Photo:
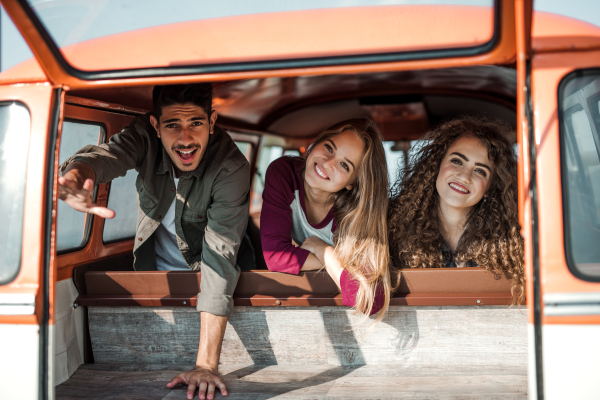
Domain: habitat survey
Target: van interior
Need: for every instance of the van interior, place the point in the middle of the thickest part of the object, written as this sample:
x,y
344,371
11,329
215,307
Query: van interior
x,y
121,333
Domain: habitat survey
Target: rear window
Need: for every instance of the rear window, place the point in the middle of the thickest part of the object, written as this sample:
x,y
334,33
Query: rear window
x,y
125,34
580,158
15,130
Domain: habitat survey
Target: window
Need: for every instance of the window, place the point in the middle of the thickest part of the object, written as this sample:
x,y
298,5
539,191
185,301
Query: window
x,y
580,157
267,155
245,148
14,145
268,26
396,154
122,199
72,227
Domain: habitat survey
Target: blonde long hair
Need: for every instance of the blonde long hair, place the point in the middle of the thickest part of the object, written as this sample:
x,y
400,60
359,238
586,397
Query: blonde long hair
x,y
361,238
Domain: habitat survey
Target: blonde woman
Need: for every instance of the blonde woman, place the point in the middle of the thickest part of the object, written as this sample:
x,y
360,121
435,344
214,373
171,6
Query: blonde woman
x,y
333,204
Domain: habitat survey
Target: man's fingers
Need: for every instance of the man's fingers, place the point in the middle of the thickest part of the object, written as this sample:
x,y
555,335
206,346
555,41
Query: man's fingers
x,y
222,388
201,390
88,185
176,381
191,389
210,394
80,199
102,212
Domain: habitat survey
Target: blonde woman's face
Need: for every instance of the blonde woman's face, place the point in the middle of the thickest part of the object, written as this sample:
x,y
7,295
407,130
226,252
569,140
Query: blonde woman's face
x,y
333,164
465,173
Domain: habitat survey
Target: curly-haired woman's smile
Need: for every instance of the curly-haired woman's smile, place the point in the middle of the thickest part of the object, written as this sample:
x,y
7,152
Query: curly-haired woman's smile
x,y
465,174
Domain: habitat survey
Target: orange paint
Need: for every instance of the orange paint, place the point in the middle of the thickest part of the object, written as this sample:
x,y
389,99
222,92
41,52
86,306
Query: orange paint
x,y
548,71
503,53
37,98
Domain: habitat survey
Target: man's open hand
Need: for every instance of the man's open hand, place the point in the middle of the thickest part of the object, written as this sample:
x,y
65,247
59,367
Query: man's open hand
x,y
75,188
204,379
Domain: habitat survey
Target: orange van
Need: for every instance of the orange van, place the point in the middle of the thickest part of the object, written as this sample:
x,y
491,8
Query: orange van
x,y
77,322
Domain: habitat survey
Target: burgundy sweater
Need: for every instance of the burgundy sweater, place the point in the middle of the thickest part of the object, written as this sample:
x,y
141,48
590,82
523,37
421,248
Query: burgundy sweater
x,y
283,218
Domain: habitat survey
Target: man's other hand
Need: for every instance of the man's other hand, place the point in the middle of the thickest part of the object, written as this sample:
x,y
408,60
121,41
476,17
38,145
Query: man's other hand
x,y
76,187
204,379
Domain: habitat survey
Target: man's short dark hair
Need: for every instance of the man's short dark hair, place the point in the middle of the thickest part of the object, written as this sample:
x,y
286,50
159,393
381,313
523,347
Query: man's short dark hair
x,y
199,94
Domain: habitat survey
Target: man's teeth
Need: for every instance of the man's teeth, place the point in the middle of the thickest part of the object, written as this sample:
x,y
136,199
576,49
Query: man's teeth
x,y
321,174
187,152
459,188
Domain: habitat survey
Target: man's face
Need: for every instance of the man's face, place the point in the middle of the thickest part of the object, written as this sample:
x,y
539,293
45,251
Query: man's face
x,y
184,130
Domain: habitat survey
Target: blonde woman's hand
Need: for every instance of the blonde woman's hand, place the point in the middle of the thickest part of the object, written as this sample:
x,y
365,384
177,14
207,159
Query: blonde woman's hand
x,y
326,255
316,246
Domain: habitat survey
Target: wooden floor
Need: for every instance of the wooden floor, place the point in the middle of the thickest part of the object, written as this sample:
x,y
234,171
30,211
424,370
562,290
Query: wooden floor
x,y
319,382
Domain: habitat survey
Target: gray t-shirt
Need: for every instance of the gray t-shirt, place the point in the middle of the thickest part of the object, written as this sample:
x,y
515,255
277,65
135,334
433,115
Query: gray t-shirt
x,y
168,255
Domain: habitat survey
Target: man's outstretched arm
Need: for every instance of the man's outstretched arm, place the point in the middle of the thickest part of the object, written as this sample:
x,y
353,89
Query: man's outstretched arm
x,y
205,376
76,186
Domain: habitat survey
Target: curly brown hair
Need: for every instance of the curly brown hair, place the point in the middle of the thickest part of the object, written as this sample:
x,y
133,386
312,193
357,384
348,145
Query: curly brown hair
x,y
492,238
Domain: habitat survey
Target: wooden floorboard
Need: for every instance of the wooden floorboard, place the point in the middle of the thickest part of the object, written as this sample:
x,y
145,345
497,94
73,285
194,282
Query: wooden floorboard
x,y
319,382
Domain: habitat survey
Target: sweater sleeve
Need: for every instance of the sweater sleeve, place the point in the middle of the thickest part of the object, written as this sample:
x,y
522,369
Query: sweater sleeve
x,y
350,289
276,220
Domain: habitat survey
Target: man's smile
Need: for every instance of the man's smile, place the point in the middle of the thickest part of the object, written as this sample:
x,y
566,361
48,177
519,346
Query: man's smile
x,y
186,156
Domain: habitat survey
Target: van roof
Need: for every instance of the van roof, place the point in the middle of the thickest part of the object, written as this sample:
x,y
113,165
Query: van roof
x,y
239,42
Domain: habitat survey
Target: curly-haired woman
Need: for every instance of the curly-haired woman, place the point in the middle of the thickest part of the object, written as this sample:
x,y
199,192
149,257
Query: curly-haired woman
x,y
334,205
456,205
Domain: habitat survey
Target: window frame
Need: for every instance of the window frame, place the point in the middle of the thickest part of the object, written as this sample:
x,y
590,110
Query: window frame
x,y
114,117
563,114
458,52
89,218
428,287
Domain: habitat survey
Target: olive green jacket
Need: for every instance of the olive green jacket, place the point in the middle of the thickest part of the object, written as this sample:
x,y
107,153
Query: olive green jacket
x,y
211,211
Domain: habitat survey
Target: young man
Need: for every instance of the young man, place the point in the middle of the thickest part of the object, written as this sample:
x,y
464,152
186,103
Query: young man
x,y
193,188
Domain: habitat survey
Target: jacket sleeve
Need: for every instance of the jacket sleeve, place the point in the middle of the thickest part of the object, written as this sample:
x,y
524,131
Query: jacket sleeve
x,y
276,221
124,151
227,220
350,289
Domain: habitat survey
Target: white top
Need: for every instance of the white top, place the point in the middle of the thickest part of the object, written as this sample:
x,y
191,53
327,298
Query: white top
x,y
302,229
168,255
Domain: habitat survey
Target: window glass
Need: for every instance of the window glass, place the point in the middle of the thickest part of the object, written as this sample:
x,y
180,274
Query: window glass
x,y
118,27
267,155
72,227
13,48
291,153
395,153
245,148
14,145
581,171
122,199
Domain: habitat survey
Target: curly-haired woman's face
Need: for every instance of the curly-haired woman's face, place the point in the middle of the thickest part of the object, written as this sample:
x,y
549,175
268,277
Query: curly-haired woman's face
x,y
465,174
332,164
